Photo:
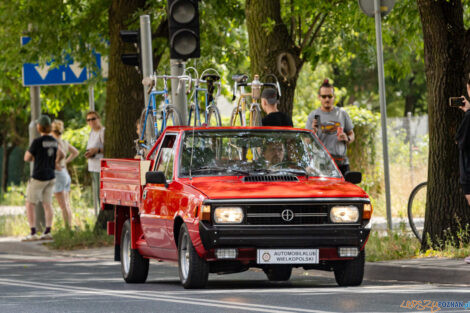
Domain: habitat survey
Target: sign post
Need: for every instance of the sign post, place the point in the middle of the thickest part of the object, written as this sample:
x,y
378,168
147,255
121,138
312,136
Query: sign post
x,y
377,8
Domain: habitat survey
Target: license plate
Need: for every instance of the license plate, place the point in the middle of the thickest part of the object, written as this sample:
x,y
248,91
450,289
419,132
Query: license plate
x,y
287,256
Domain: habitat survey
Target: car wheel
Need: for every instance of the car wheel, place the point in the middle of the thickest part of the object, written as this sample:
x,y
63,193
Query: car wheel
x,y
134,267
350,273
193,270
278,272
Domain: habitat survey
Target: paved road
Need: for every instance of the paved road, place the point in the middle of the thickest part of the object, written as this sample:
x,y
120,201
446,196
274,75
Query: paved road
x,y
94,284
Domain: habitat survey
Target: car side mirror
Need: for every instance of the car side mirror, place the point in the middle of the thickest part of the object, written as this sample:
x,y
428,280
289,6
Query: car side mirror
x,y
353,177
155,178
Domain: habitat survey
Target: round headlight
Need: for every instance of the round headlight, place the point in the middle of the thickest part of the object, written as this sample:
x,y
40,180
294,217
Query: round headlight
x,y
344,214
228,215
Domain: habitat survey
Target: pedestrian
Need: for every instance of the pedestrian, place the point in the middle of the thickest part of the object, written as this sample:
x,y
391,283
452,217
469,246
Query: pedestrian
x,y
462,137
62,176
269,104
332,125
46,156
94,153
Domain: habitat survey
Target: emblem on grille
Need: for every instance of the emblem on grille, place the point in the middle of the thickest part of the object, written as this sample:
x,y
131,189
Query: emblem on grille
x,y
287,215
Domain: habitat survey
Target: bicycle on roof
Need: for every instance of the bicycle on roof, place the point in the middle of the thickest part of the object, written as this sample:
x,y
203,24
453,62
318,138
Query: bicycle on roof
x,y
238,116
211,78
149,117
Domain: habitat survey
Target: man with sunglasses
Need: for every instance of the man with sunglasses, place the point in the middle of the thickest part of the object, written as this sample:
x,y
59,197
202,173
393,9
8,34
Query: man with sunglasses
x,y
332,125
94,152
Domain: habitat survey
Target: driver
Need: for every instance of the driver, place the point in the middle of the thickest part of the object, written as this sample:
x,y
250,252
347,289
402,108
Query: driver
x,y
274,152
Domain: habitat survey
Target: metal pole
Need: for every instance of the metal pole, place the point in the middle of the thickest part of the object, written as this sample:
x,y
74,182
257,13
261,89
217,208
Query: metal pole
x,y
146,53
91,98
383,109
35,94
178,100
410,143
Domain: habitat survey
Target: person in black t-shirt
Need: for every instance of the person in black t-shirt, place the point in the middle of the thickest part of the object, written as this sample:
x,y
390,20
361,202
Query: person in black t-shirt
x,y
269,103
45,154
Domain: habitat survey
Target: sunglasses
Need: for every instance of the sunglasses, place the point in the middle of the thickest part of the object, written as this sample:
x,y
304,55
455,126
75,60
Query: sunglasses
x,y
91,119
326,96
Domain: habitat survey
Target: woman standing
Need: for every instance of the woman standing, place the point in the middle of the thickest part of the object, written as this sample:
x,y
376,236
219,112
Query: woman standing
x,y
62,182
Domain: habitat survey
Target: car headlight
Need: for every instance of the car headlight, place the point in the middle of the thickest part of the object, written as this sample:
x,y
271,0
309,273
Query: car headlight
x,y
227,215
344,214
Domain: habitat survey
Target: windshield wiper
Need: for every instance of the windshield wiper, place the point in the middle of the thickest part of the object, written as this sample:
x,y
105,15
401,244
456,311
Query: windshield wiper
x,y
293,171
218,169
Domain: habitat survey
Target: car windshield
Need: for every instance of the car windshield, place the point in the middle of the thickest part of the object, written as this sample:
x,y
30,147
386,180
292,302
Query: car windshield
x,y
235,152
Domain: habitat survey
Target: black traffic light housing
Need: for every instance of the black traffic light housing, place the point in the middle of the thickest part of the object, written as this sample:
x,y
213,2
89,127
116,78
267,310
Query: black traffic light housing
x,y
183,23
131,36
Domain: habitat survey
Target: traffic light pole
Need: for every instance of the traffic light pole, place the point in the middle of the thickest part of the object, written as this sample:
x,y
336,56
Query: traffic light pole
x,y
146,51
179,100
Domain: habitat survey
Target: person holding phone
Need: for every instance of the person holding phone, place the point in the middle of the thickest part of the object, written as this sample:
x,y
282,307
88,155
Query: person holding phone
x,y
332,125
462,138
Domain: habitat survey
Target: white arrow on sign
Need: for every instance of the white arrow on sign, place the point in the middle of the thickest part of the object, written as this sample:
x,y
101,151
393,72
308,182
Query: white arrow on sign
x,y
42,70
76,69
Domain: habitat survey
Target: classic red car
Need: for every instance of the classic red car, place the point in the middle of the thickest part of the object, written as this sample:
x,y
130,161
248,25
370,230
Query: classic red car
x,y
222,200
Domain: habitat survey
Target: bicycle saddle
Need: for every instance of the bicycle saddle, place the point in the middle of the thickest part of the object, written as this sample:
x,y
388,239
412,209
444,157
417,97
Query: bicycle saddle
x,y
240,78
211,77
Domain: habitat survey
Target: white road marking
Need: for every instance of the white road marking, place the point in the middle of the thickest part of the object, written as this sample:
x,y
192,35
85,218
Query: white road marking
x,y
142,295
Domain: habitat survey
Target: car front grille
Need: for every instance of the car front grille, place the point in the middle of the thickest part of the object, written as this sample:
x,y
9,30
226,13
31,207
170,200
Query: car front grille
x,y
286,214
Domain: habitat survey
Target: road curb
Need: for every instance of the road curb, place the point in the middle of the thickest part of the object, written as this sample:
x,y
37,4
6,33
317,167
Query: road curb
x,y
418,273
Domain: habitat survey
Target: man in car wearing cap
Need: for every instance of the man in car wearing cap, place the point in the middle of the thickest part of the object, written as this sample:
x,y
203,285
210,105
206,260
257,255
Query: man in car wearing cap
x,y
45,154
269,104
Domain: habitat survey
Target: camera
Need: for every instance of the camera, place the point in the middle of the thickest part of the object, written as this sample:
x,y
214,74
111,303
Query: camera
x,y
456,102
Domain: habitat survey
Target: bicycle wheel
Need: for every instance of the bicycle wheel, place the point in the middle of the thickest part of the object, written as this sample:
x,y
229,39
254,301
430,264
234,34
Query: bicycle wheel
x,y
149,135
255,116
417,209
236,119
173,118
213,116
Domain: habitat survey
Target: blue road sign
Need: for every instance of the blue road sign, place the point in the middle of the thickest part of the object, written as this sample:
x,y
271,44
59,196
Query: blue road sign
x,y
70,73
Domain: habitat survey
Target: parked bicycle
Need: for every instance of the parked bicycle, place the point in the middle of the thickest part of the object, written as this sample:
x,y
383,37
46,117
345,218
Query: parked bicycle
x,y
417,209
211,78
239,112
167,113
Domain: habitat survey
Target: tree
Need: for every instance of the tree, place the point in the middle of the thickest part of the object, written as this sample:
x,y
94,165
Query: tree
x,y
447,64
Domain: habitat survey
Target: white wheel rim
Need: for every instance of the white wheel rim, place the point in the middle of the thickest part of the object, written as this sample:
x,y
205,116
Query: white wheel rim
x,y
126,252
184,256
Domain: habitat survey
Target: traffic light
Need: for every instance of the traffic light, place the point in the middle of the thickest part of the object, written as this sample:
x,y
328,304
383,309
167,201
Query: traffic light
x,y
131,36
183,23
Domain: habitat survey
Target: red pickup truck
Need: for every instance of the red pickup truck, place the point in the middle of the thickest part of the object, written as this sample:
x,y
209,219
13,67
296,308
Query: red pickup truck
x,y
222,200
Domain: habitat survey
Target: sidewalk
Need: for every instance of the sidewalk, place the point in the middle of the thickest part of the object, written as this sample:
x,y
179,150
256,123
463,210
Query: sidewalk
x,y
424,270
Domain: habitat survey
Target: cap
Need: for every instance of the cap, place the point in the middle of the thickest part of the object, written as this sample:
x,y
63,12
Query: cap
x,y
270,95
44,121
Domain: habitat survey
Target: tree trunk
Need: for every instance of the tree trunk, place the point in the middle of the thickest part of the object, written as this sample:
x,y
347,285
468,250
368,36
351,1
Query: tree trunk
x,y
266,46
124,93
443,31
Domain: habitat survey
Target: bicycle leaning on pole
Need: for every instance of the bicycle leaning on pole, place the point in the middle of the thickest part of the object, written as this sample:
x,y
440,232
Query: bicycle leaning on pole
x,y
239,112
149,117
417,208
211,78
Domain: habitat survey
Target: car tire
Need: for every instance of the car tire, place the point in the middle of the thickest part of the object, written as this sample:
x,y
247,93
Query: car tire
x,y
134,267
350,273
193,270
278,272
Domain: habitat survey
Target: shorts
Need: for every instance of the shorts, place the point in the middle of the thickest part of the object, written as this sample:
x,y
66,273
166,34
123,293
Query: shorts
x,y
39,191
62,181
466,189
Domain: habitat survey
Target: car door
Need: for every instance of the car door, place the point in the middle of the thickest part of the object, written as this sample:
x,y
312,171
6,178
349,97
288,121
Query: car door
x,y
156,199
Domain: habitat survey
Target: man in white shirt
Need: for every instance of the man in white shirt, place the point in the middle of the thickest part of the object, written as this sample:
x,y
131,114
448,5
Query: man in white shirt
x,y
94,153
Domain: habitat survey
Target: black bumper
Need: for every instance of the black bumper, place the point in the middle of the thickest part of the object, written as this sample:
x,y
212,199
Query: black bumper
x,y
281,236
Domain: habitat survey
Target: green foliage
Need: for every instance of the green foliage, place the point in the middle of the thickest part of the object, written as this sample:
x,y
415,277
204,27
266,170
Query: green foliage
x,y
68,239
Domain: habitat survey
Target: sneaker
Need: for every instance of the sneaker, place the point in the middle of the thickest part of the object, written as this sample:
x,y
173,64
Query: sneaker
x,y
31,238
467,260
47,236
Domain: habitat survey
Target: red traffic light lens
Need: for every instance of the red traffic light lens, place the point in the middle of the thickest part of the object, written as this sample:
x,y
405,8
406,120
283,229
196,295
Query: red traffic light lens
x,y
183,12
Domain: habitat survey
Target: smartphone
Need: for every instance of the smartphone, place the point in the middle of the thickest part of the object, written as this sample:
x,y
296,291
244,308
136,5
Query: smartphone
x,y
317,117
456,102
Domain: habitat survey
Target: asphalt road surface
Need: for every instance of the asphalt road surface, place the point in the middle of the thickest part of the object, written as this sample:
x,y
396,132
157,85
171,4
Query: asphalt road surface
x,y
66,284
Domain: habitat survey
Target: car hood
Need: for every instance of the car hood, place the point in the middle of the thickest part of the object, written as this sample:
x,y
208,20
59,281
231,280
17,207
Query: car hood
x,y
312,188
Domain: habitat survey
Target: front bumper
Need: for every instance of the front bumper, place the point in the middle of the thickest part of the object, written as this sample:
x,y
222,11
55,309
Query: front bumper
x,y
318,236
